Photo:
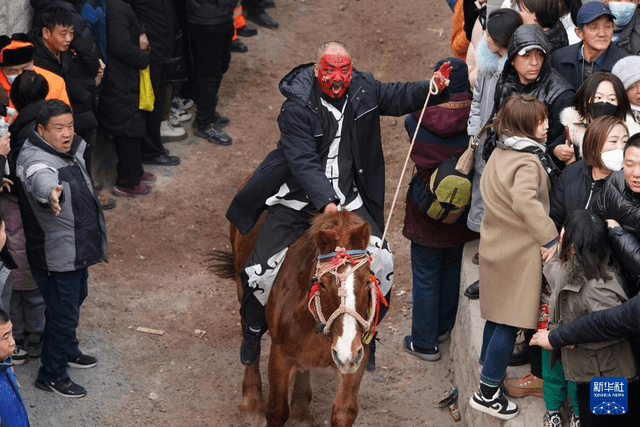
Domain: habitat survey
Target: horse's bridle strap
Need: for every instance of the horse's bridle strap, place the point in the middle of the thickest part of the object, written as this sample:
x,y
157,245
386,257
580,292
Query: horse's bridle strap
x,y
339,258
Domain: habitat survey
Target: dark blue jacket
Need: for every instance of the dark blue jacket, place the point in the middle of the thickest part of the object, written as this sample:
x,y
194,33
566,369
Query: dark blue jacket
x,y
12,410
565,60
303,127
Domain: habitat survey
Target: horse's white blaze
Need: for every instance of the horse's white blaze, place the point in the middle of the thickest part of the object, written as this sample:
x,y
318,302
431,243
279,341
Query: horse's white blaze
x,y
345,341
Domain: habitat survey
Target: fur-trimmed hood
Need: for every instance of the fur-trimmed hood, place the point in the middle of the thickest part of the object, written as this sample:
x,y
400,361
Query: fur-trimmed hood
x,y
577,126
488,63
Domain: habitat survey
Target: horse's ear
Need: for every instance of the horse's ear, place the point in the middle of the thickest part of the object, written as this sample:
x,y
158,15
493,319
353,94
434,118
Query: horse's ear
x,y
360,236
325,240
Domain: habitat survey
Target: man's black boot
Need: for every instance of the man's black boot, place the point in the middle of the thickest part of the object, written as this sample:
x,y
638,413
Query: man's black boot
x,y
250,349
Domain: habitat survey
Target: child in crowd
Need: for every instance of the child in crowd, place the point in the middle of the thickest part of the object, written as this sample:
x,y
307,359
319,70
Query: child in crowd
x,y
583,283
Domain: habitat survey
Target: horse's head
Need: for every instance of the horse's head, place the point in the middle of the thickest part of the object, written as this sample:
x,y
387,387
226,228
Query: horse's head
x,y
341,295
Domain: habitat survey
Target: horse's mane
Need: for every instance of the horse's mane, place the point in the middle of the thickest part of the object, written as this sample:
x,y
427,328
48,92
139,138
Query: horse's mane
x,y
336,221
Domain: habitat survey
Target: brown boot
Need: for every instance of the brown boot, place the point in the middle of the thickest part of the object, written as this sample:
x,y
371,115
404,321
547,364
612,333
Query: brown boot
x,y
526,385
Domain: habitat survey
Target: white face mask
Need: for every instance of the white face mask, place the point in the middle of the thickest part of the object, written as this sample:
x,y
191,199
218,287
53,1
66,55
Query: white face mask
x,y
11,78
613,159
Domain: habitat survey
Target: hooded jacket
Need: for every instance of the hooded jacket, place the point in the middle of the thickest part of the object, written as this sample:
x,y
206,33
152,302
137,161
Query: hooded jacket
x,y
574,296
306,132
618,202
75,239
550,87
12,410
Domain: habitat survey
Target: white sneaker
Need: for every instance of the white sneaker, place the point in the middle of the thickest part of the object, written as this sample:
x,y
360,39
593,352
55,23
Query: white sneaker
x,y
170,133
180,114
498,406
183,103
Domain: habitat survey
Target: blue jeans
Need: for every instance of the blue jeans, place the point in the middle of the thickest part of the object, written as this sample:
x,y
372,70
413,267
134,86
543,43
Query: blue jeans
x,y
497,345
63,294
436,287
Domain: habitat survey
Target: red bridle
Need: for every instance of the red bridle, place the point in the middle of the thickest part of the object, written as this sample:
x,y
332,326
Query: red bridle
x,y
340,257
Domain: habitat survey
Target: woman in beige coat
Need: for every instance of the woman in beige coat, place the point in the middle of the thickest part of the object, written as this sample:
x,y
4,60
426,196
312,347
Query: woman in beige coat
x,y
516,231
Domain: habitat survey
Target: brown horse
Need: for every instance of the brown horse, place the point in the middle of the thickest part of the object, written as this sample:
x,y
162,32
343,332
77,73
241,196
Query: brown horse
x,y
331,255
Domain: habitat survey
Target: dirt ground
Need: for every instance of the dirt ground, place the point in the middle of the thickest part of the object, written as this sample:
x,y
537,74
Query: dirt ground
x,y
159,245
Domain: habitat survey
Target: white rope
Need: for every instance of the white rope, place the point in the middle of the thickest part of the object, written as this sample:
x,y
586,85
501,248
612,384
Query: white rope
x,y
433,89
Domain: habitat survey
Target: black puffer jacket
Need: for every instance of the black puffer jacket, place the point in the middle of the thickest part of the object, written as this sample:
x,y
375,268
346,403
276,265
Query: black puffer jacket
x,y
209,12
120,98
617,201
574,189
550,87
306,131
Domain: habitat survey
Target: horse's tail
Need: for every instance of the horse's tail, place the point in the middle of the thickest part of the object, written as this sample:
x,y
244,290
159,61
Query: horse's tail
x,y
222,264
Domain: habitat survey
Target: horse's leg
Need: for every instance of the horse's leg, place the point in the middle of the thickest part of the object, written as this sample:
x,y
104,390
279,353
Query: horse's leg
x,y
301,397
252,406
280,371
345,405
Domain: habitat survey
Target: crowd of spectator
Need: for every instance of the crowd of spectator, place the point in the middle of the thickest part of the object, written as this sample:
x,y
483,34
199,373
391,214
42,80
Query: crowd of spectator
x,y
82,73
556,182
549,90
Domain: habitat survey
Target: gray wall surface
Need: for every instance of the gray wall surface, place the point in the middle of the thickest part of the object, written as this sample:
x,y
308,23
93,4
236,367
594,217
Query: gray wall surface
x,y
15,16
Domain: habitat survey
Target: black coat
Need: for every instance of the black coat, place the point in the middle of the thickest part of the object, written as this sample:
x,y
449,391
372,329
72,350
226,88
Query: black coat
x,y
303,132
158,20
120,98
565,60
617,201
615,323
574,189
209,12
78,66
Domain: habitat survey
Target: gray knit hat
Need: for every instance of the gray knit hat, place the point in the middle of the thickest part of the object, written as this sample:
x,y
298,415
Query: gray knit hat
x,y
627,69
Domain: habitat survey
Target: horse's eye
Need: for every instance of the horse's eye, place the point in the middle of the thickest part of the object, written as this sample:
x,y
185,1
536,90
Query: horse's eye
x,y
322,285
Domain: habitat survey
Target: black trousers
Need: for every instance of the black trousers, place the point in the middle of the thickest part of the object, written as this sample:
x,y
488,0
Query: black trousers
x,y
535,354
129,169
152,143
253,7
212,54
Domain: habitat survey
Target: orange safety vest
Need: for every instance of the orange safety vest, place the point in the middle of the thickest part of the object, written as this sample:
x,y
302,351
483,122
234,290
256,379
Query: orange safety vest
x,y
238,20
57,86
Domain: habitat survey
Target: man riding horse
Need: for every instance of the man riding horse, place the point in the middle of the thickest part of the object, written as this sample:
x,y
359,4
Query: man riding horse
x,y
329,158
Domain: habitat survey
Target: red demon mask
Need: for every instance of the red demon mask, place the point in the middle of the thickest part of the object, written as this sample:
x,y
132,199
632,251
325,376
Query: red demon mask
x,y
334,74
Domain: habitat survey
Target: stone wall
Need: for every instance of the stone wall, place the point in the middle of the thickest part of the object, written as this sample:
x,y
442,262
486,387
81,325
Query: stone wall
x,y
466,341
15,16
